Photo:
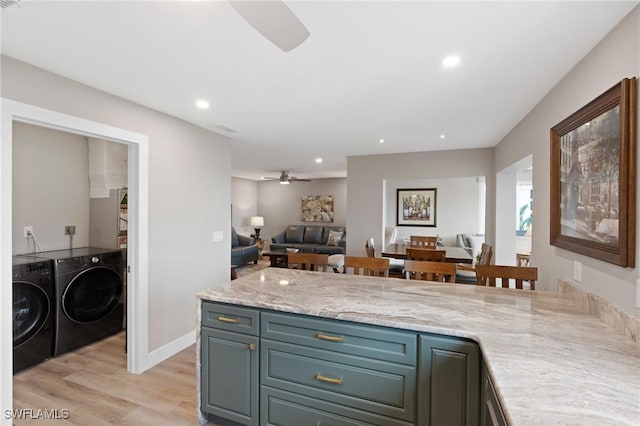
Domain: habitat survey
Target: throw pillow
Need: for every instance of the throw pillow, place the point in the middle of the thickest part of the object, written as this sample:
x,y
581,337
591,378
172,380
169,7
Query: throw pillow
x,y
294,234
334,237
313,234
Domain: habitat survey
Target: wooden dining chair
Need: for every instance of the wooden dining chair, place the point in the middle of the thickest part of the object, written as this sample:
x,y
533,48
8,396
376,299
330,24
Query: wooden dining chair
x,y
467,274
308,261
396,266
429,255
430,271
372,266
422,241
488,275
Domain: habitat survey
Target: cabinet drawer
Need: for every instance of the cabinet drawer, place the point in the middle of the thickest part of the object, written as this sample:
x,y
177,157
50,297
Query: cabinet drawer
x,y
338,336
371,385
230,318
286,409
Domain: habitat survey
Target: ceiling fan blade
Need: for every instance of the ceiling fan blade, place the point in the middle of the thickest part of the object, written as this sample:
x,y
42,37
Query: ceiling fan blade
x,y
298,179
274,20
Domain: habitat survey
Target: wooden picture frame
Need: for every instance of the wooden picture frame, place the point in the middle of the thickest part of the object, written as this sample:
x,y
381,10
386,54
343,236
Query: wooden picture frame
x,y
593,177
416,207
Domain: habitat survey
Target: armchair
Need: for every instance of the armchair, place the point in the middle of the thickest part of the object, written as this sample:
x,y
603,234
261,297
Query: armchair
x,y
243,249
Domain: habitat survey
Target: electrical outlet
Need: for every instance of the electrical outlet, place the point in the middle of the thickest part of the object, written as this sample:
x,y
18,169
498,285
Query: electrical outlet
x,y
70,230
28,231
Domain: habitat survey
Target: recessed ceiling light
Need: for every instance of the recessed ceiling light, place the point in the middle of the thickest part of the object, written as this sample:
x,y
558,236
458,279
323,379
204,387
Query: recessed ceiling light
x,y
202,104
318,160
442,136
381,140
451,61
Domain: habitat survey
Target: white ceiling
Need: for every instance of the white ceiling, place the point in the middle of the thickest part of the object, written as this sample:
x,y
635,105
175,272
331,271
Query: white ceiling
x,y
369,70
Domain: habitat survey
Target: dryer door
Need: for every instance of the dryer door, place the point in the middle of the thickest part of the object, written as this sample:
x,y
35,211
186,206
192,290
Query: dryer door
x,y
31,308
92,294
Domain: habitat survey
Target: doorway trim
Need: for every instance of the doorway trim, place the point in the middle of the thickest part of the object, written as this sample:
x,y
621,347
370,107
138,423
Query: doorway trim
x,y
137,241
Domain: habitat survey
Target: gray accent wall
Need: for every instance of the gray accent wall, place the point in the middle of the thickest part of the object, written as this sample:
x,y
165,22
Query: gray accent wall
x,y
368,199
280,204
189,191
50,187
451,219
617,56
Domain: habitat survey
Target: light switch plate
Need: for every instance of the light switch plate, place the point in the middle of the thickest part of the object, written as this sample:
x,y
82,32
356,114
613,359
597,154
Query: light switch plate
x,y
218,236
577,271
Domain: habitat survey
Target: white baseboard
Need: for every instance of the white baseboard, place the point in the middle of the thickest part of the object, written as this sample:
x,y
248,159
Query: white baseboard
x,y
167,351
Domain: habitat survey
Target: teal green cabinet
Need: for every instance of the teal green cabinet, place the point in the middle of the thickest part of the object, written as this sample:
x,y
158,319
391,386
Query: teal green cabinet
x,y
229,373
449,382
347,370
273,368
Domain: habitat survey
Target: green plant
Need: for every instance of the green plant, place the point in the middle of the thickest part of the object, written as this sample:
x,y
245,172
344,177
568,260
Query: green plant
x,y
525,218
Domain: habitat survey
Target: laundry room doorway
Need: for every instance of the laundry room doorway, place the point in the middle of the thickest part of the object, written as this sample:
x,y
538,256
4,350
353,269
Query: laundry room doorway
x,y
137,228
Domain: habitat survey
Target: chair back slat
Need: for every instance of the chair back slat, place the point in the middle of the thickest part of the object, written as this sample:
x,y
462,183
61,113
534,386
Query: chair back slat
x,y
429,255
372,266
430,271
422,241
308,261
486,253
489,275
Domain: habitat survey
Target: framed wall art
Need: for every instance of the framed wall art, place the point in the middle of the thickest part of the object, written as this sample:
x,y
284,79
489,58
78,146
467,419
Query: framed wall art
x,y
317,208
593,173
416,207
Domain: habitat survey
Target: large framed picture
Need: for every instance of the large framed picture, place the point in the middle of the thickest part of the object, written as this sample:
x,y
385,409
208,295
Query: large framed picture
x,y
317,208
593,172
416,207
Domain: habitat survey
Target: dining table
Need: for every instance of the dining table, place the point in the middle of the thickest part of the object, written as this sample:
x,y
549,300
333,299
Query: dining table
x,y
453,254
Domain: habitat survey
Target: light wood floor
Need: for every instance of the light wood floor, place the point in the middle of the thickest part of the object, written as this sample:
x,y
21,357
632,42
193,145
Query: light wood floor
x,y
93,384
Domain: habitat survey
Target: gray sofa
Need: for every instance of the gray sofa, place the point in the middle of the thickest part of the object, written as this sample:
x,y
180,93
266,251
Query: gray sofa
x,y
310,239
243,249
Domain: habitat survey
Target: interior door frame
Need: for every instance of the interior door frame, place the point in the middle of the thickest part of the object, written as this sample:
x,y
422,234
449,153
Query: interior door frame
x,y
137,241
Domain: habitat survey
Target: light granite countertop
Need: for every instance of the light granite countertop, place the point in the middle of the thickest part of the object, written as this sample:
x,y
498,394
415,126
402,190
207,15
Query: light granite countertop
x,y
552,362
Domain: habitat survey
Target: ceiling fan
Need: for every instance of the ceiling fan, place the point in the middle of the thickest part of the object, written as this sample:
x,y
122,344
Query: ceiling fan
x,y
285,179
274,20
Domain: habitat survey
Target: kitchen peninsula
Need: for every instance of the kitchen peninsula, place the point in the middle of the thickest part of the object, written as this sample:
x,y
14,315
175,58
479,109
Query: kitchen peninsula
x,y
551,361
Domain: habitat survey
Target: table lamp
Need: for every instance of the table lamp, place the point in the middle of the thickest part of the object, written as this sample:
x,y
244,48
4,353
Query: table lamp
x,y
257,222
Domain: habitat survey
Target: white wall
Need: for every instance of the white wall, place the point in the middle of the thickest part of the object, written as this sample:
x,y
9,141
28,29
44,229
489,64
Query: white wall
x,y
244,198
280,204
366,180
50,187
616,56
450,218
189,191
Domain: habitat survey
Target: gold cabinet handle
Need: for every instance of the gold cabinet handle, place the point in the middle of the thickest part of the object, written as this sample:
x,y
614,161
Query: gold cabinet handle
x,y
227,319
319,377
252,346
321,336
